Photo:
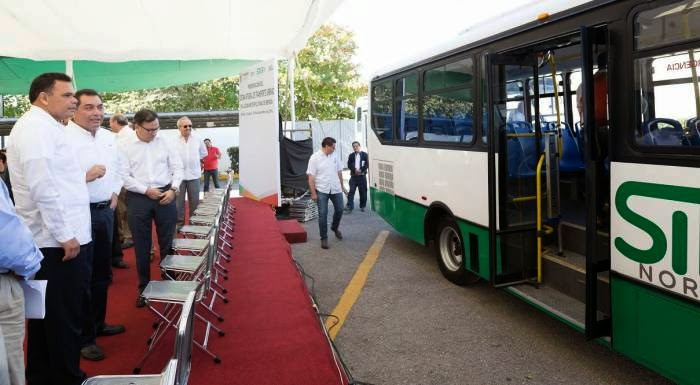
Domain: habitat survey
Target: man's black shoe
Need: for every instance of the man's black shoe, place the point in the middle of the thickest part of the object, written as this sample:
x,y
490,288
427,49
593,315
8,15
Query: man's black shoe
x,y
110,330
324,243
120,264
140,302
362,209
92,353
338,234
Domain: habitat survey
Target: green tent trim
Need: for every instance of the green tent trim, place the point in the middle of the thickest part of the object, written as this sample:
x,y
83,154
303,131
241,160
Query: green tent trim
x,y
17,74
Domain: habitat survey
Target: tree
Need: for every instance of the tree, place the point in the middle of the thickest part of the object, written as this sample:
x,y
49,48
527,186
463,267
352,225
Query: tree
x,y
326,64
219,94
233,156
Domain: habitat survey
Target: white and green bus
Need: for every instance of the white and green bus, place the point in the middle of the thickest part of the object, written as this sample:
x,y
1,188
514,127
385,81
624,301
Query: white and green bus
x,y
555,152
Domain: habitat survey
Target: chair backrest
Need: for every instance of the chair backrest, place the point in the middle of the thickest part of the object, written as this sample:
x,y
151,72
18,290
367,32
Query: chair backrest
x,y
183,340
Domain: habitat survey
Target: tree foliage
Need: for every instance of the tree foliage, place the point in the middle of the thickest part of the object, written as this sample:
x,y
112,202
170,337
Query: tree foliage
x,y
326,65
219,94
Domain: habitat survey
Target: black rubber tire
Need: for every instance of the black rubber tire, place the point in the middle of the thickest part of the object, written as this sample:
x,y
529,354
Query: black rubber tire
x,y
448,240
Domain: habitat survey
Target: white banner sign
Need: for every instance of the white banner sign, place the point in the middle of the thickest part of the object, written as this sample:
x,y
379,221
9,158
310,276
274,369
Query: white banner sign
x,y
655,225
259,152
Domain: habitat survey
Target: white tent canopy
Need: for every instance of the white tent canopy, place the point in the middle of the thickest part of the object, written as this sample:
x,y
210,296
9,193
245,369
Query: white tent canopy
x,y
125,30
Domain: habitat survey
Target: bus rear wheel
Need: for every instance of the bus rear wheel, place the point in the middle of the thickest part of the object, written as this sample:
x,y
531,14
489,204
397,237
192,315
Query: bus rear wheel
x,y
449,251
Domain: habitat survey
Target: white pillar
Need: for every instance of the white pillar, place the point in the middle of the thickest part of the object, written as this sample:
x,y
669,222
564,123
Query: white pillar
x,y
291,66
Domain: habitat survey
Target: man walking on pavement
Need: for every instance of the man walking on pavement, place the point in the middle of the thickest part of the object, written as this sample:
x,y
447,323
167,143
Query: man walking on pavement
x,y
325,174
358,162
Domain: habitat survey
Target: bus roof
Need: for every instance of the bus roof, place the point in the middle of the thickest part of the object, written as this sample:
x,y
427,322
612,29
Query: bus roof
x,y
507,22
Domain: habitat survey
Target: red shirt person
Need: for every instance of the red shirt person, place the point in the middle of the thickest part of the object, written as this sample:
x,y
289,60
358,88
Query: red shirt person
x,y
210,164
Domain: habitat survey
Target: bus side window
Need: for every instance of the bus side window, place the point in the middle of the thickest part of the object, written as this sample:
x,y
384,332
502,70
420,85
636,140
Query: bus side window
x,y
382,111
666,101
448,103
406,100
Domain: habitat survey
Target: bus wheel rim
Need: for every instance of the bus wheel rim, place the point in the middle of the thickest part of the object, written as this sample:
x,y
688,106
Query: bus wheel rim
x,y
450,249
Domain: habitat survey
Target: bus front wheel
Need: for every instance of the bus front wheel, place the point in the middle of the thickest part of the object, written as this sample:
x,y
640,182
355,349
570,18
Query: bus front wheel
x,y
449,250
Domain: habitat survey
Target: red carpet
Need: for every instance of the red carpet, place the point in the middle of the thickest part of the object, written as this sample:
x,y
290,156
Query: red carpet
x,y
293,232
272,333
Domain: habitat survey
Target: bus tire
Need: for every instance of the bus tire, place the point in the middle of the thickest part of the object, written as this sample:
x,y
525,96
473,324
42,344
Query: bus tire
x,y
449,251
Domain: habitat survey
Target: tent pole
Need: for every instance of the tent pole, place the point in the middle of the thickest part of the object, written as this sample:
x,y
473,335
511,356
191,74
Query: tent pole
x,y
69,71
291,65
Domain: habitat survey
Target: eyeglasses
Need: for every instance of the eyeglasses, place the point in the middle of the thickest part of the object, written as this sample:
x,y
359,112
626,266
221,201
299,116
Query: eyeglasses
x,y
186,126
149,130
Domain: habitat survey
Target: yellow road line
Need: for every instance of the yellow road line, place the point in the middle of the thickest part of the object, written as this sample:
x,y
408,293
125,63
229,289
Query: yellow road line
x,y
354,288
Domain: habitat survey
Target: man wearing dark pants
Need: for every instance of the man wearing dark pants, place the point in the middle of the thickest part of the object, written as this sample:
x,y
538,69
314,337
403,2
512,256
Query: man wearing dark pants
x,y
152,171
52,198
96,151
358,162
210,163
192,150
326,182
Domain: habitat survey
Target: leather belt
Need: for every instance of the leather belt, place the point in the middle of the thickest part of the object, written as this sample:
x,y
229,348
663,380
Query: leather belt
x,y
100,205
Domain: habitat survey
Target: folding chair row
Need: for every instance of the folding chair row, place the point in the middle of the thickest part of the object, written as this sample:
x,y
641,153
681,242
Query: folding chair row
x,y
165,298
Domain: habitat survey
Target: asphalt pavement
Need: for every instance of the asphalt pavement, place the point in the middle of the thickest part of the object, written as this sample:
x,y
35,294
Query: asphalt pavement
x,y
411,326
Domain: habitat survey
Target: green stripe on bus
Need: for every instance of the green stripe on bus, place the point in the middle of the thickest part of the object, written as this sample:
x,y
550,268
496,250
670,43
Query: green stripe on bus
x,y
408,218
656,329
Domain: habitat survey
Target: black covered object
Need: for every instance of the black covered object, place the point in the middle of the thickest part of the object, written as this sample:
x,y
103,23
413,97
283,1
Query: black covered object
x,y
294,159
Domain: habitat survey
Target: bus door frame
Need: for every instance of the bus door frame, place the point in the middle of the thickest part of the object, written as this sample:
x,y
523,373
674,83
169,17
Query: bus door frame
x,y
498,178
595,178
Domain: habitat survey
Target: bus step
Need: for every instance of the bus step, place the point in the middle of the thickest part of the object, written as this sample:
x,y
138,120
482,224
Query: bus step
x,y
554,303
567,274
574,239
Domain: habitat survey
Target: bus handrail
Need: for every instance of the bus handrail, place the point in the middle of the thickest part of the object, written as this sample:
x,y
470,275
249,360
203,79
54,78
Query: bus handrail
x,y
539,217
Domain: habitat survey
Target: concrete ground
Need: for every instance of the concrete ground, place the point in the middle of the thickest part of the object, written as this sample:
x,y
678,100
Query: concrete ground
x,y
411,326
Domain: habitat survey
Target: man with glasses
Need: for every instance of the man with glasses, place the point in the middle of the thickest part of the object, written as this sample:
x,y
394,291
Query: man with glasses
x,y
96,151
192,150
152,172
326,182
52,198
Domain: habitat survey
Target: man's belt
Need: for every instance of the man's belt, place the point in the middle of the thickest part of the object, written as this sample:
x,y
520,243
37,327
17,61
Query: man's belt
x,y
165,188
100,205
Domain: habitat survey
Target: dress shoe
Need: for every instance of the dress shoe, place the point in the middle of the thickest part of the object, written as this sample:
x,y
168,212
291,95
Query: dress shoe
x,y
110,330
362,209
338,234
324,243
140,302
128,243
348,210
120,264
92,353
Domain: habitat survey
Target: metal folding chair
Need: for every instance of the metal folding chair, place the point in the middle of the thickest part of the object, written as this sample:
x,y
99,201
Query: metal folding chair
x,y
177,370
164,299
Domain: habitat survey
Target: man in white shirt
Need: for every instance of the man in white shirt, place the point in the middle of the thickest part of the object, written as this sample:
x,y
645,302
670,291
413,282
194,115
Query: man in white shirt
x,y
119,124
96,150
326,182
152,171
192,150
52,198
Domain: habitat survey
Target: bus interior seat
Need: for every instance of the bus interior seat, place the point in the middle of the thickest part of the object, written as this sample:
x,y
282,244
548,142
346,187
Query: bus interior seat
x,y
572,157
693,126
663,132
